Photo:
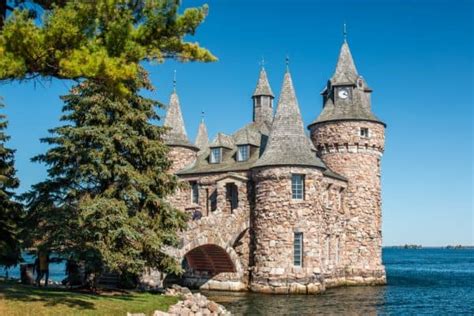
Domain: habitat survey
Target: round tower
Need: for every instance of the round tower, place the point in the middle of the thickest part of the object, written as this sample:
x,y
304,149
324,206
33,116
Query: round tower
x,y
349,138
287,217
182,152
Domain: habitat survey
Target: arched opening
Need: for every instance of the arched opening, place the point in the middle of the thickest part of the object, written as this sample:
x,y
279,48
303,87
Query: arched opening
x,y
208,258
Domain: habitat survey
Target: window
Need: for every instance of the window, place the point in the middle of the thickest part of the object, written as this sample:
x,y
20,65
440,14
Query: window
x,y
194,192
364,132
297,187
243,152
232,194
298,250
258,101
216,155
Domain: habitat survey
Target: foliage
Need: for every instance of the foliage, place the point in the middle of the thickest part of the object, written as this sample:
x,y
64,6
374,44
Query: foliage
x,y
104,40
18,299
104,199
10,210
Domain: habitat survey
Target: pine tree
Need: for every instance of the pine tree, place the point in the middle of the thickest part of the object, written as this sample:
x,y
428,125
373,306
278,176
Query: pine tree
x,y
10,210
104,198
101,39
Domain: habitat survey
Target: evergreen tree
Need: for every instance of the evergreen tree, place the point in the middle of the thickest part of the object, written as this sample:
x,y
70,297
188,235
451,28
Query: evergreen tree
x,y
104,198
103,40
10,210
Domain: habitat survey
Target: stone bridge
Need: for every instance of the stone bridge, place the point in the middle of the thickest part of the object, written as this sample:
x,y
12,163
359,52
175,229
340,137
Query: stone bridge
x,y
213,252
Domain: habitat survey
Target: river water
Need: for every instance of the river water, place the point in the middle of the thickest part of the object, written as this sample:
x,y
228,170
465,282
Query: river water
x,y
432,281
420,281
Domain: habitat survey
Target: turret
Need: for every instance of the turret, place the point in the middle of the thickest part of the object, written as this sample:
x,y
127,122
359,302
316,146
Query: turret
x,y
182,152
202,138
349,138
286,219
263,100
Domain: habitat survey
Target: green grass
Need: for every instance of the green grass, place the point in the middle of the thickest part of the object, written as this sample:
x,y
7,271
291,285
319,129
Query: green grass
x,y
16,299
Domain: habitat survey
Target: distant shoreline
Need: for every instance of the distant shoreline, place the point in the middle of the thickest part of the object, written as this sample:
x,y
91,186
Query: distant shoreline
x,y
414,246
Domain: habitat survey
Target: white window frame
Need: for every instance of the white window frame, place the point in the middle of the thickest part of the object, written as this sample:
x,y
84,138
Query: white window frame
x,y
297,188
240,157
213,158
298,249
364,129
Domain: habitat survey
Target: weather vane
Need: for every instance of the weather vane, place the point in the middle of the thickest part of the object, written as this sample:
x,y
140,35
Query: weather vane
x,y
345,31
174,80
287,61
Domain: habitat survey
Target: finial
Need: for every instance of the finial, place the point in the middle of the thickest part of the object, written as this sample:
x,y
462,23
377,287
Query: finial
x,y
174,81
262,62
287,61
345,32
202,116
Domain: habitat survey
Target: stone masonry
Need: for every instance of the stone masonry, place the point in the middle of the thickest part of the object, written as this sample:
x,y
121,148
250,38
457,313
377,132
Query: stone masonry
x,y
274,210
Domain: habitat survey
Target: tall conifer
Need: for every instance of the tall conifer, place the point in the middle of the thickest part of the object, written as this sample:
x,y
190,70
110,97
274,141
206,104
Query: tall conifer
x,y
10,210
104,198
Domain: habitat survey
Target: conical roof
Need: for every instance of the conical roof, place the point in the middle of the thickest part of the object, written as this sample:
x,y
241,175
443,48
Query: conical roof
x,y
176,134
359,106
263,86
288,143
346,72
202,139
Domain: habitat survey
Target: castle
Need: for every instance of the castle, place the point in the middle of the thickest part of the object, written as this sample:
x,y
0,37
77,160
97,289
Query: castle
x,y
274,210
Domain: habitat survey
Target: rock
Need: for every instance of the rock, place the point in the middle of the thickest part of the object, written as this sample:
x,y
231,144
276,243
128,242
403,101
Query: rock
x,y
192,304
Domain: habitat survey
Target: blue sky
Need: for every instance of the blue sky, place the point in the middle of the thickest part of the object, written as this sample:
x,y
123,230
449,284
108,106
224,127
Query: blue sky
x,y
416,55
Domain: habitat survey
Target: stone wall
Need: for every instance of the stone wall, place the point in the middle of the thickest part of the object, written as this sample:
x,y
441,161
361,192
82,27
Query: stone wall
x,y
276,219
358,159
180,157
221,226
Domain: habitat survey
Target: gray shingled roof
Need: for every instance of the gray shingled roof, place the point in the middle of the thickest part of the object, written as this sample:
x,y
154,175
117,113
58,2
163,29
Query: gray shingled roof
x,y
256,133
356,111
176,135
346,72
223,140
287,143
359,108
263,86
202,139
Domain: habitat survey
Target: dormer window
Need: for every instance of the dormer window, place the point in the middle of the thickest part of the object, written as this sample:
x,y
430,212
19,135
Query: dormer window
x,y
364,132
216,155
242,152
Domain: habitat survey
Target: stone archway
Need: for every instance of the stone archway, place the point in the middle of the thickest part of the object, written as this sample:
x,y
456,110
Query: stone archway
x,y
210,258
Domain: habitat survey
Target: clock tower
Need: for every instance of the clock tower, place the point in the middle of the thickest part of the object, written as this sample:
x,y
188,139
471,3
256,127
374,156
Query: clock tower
x,y
349,138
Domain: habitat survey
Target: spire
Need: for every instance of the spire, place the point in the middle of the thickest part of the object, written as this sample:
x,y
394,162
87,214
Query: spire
x,y
263,86
288,143
346,72
176,134
202,139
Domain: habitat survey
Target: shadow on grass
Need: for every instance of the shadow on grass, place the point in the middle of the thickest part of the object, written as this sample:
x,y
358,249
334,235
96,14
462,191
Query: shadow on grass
x,y
54,296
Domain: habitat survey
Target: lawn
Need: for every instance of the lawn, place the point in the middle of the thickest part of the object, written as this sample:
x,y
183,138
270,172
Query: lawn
x,y
16,299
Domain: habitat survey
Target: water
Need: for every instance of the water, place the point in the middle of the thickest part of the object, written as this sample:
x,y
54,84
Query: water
x,y
420,281
57,270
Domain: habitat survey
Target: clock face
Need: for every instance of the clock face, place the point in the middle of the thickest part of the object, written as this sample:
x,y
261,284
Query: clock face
x,y
343,93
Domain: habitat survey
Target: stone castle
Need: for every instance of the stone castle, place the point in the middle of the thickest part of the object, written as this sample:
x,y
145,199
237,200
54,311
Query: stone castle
x,y
274,210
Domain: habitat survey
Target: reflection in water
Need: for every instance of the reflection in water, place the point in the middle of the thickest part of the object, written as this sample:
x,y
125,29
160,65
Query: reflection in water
x,y
362,300
420,281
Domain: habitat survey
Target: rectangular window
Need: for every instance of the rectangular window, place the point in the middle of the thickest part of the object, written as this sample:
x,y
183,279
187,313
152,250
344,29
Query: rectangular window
x,y
298,250
364,132
194,192
297,187
243,152
216,155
